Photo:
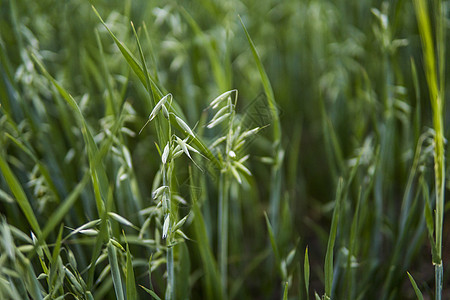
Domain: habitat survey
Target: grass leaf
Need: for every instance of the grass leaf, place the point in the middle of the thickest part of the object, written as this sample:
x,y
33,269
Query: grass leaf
x,y
331,241
151,293
416,288
273,243
211,279
267,89
306,270
115,271
130,280
20,196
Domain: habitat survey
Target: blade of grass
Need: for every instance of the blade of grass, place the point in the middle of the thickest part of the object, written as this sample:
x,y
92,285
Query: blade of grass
x,y
161,133
267,89
415,287
111,108
436,91
33,285
278,153
351,248
331,241
130,281
274,246
144,65
217,66
102,238
417,118
306,270
285,294
56,250
182,271
143,77
212,282
150,292
20,196
223,224
132,62
115,271
152,56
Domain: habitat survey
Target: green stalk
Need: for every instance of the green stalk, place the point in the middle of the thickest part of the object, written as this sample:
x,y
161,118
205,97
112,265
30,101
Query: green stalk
x,y
435,80
170,275
278,152
329,270
166,176
224,205
170,289
224,184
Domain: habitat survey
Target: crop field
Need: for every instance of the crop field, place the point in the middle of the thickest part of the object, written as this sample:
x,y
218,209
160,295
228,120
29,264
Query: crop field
x,y
224,149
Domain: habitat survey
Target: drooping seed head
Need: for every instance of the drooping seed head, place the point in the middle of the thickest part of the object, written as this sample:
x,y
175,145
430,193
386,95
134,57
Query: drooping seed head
x,y
184,126
165,154
166,226
220,98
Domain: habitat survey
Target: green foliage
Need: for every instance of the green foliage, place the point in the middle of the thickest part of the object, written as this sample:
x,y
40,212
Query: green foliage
x,y
143,143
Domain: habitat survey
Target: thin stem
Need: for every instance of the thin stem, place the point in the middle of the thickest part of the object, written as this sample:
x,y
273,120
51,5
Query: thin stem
x,y
438,273
170,289
435,79
223,227
223,213
166,177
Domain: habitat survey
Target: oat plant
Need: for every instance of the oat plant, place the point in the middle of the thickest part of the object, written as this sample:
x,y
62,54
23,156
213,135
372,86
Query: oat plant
x,y
433,46
229,148
121,179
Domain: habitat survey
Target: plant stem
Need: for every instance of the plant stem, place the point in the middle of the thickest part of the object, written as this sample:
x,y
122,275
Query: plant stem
x,y
170,275
166,177
223,227
435,80
438,274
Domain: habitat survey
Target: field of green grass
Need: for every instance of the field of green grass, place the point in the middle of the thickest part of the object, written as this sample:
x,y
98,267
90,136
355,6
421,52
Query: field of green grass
x,y
224,149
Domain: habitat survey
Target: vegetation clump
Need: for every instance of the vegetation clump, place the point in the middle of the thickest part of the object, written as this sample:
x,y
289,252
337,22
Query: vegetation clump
x,y
178,151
